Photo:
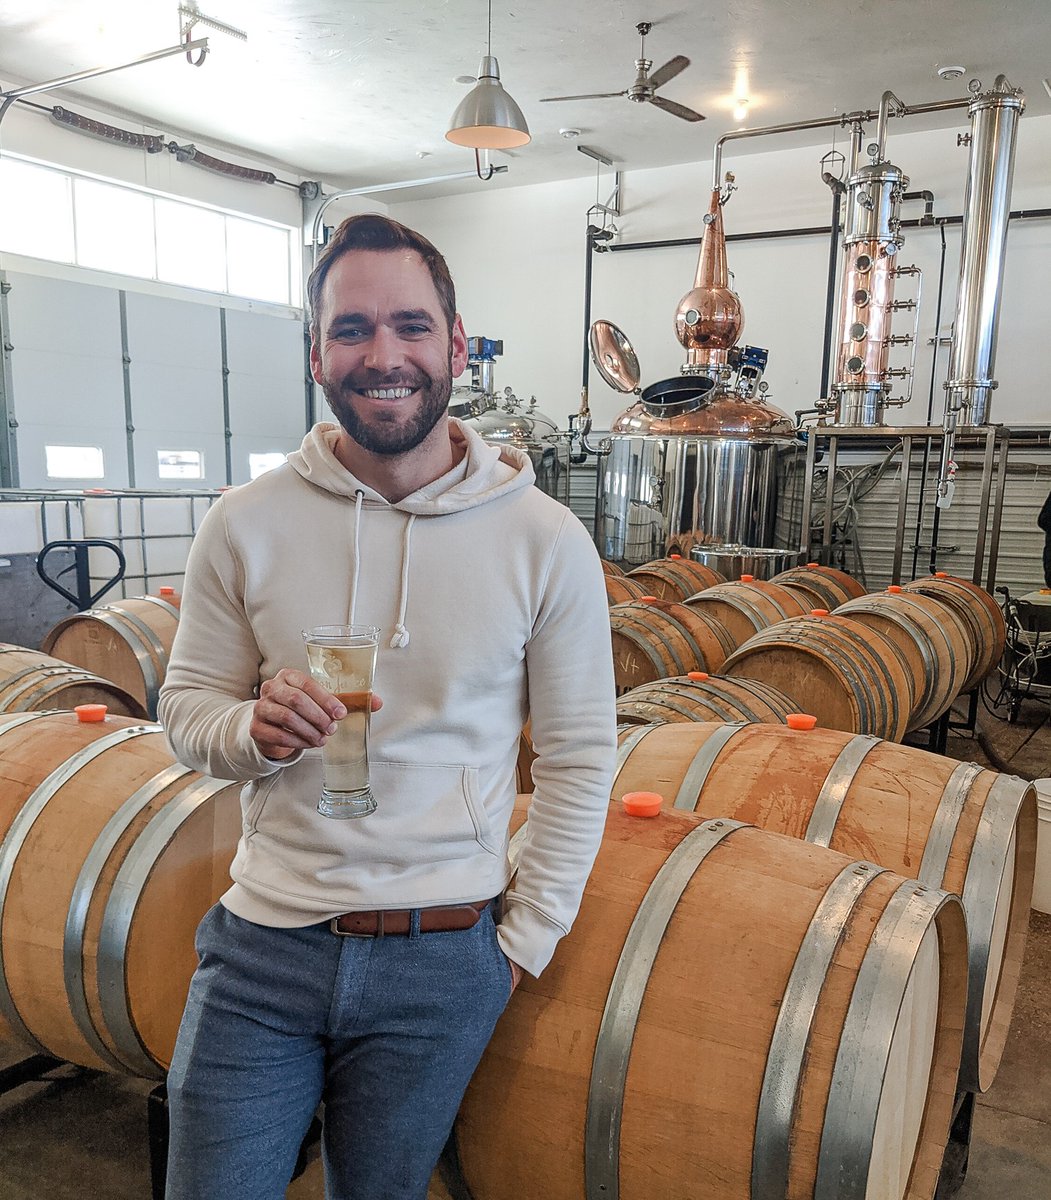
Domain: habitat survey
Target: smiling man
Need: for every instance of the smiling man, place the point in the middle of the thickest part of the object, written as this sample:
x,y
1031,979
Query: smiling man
x,y
365,962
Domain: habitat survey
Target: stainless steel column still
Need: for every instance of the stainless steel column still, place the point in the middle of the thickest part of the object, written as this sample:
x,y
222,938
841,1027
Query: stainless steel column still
x,y
987,204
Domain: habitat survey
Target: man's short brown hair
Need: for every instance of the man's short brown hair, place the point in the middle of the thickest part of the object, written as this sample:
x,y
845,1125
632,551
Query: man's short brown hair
x,y
371,231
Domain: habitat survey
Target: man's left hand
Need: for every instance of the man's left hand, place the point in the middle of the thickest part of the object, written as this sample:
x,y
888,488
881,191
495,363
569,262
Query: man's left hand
x,y
516,974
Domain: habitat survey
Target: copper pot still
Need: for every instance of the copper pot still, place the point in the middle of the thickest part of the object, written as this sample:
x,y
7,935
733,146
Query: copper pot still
x,y
710,318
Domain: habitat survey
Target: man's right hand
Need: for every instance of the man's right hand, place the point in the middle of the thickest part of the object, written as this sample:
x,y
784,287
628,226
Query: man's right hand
x,y
295,713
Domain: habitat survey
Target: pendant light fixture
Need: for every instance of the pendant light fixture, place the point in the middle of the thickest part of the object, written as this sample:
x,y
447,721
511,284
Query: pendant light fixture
x,y
487,118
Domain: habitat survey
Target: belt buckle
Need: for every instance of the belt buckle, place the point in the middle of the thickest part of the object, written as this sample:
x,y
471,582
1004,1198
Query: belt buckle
x,y
349,933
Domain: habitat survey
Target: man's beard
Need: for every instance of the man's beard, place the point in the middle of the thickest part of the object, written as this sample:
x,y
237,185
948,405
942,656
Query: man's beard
x,y
396,434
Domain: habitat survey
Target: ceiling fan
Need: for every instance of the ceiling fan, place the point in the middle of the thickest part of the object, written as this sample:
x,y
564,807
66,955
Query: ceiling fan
x,y
643,90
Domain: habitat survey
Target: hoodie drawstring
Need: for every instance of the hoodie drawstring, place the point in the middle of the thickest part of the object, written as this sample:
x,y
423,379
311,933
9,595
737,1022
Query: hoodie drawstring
x,y
401,635
359,496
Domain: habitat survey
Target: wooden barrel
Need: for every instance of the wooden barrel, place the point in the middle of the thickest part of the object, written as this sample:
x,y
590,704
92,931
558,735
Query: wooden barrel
x,y
825,587
653,640
703,697
609,568
111,854
980,614
931,639
744,607
620,589
951,825
31,681
725,1020
128,641
849,677
524,762
675,578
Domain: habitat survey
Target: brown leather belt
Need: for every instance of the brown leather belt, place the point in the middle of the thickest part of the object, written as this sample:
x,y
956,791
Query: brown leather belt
x,y
383,922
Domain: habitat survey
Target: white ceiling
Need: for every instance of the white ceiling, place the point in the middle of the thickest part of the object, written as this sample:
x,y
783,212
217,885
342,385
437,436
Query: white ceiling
x,y
357,92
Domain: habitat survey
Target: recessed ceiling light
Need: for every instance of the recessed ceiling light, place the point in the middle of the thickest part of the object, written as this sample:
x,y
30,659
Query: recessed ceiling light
x,y
570,133
741,109
465,79
950,73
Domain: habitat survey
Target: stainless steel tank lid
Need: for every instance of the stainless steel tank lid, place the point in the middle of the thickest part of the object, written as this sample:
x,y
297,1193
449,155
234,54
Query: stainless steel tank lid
x,y
614,356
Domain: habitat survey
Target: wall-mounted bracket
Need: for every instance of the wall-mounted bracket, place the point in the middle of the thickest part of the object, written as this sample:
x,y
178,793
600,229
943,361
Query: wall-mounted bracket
x,y
612,205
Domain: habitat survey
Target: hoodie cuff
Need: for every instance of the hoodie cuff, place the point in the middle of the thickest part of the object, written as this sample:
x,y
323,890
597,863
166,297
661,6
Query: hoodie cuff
x,y
526,936
243,749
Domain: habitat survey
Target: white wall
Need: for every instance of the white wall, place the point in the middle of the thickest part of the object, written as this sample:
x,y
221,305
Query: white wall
x,y
517,256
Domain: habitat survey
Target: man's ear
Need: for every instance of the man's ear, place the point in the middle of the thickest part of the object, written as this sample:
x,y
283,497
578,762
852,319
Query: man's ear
x,y
458,349
315,361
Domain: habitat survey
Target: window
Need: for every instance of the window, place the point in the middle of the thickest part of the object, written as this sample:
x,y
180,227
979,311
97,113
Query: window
x,y
114,229
67,216
191,246
257,260
259,464
180,464
74,462
36,211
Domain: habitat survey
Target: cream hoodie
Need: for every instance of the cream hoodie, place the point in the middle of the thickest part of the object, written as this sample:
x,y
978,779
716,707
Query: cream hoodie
x,y
491,605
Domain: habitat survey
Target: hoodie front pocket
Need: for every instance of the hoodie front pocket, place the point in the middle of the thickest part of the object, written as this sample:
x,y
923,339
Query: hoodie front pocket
x,y
254,808
431,804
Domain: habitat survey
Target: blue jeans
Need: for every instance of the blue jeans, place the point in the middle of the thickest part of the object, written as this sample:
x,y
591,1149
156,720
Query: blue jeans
x,y
386,1031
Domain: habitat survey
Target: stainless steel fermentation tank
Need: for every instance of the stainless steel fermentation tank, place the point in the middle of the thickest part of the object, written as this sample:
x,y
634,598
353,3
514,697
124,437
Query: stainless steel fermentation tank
x,y
695,464
505,420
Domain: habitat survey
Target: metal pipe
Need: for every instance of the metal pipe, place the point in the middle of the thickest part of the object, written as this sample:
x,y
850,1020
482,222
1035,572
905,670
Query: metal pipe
x,y
857,136
886,101
792,127
372,189
907,110
589,250
1018,214
51,84
930,408
838,190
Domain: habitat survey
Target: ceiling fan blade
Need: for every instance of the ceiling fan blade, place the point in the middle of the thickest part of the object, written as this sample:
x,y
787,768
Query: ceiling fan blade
x,y
676,110
588,96
670,69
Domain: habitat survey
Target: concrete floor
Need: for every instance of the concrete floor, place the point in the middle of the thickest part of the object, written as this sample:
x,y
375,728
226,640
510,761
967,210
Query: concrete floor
x,y
84,1134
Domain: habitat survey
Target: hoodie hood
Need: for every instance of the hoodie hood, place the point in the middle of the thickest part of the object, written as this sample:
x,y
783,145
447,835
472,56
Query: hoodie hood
x,y
482,472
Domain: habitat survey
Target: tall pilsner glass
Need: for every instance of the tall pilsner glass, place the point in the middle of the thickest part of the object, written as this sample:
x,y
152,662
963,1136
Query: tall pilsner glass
x,y
342,658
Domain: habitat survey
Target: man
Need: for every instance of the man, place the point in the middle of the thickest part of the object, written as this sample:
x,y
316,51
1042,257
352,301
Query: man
x,y
492,608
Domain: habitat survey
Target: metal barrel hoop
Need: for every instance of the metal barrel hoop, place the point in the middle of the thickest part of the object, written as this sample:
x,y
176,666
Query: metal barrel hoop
x,y
689,794
985,873
833,793
865,1045
120,911
627,990
788,1047
83,891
